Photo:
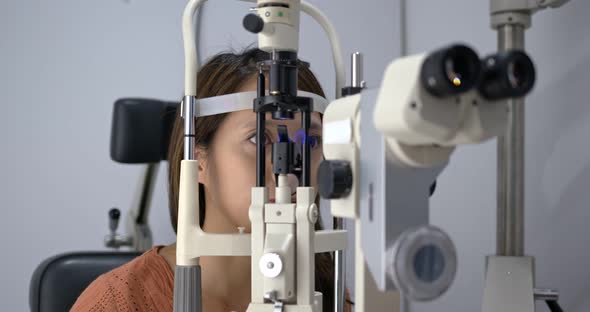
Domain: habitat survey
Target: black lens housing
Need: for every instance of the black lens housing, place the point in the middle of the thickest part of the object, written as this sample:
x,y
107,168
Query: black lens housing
x,y
506,75
283,73
281,114
442,67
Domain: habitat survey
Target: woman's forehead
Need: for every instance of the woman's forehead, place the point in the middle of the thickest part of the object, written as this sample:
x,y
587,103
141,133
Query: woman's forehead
x,y
249,85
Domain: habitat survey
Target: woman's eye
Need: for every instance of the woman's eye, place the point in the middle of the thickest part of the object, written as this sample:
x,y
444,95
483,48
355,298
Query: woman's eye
x,y
253,139
315,141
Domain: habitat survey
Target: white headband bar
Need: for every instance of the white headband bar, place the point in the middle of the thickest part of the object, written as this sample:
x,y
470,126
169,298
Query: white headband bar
x,y
245,101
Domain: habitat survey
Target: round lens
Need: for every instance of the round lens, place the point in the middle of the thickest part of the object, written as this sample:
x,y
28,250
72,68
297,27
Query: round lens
x,y
507,74
516,74
429,263
453,72
457,69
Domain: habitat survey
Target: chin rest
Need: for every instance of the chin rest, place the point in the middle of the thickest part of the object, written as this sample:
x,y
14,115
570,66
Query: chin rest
x,y
58,281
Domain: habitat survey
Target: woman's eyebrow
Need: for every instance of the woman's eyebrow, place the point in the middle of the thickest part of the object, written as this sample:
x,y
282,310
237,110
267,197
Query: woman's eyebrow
x,y
315,125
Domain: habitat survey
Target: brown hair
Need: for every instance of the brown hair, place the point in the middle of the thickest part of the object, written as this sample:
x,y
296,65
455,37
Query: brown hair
x,y
224,74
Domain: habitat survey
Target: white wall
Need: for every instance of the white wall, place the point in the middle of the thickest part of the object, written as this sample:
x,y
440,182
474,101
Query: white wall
x,y
62,65
557,154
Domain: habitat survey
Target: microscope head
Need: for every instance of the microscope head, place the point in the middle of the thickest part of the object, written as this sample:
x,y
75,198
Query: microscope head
x,y
509,74
448,97
276,23
417,103
505,75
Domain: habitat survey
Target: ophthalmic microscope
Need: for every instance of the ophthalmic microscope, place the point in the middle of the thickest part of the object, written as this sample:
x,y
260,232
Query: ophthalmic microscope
x,y
283,242
426,105
509,275
384,149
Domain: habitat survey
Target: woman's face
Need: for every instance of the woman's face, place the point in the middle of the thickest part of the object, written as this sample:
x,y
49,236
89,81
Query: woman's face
x,y
228,169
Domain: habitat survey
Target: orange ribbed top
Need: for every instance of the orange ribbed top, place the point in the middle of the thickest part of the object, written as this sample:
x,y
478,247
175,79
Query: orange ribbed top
x,y
144,284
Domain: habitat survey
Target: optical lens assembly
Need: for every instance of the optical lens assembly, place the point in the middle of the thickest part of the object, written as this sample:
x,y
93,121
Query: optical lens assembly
x,y
422,263
450,71
506,75
429,263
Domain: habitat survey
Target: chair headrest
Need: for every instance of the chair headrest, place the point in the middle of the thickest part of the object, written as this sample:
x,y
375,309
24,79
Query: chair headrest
x,y
141,130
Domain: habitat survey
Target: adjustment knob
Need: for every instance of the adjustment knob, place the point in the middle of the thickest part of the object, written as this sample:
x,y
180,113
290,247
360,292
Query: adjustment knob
x,y
335,179
114,215
253,23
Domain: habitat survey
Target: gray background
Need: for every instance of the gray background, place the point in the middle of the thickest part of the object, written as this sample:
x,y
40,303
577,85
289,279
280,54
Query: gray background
x,y
64,62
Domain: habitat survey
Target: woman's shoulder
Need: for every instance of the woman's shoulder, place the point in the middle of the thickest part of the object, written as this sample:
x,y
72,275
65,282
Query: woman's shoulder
x,y
143,284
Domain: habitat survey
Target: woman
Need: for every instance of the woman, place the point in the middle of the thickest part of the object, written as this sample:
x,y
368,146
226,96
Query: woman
x,y
226,149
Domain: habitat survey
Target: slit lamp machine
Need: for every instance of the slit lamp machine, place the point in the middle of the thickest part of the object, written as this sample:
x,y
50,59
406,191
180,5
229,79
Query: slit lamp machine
x,y
383,148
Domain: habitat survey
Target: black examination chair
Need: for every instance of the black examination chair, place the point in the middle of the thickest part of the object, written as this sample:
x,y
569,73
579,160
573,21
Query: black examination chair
x,y
140,135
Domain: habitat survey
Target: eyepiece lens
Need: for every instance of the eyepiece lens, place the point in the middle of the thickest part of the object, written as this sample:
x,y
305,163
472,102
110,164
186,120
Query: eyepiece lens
x,y
517,74
457,68
507,74
450,71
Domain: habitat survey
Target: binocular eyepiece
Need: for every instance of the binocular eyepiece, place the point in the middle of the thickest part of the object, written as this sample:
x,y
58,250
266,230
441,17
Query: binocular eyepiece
x,y
449,71
507,74
457,69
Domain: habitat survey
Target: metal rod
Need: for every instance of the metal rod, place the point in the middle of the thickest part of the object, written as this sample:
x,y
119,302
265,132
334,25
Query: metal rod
x,y
189,104
404,303
357,69
260,149
306,120
260,136
338,223
403,22
510,217
546,294
339,277
146,190
553,306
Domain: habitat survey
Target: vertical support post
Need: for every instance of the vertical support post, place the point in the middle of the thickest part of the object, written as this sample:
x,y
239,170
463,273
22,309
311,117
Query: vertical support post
x,y
339,277
305,124
356,81
260,136
305,254
510,275
187,111
510,197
